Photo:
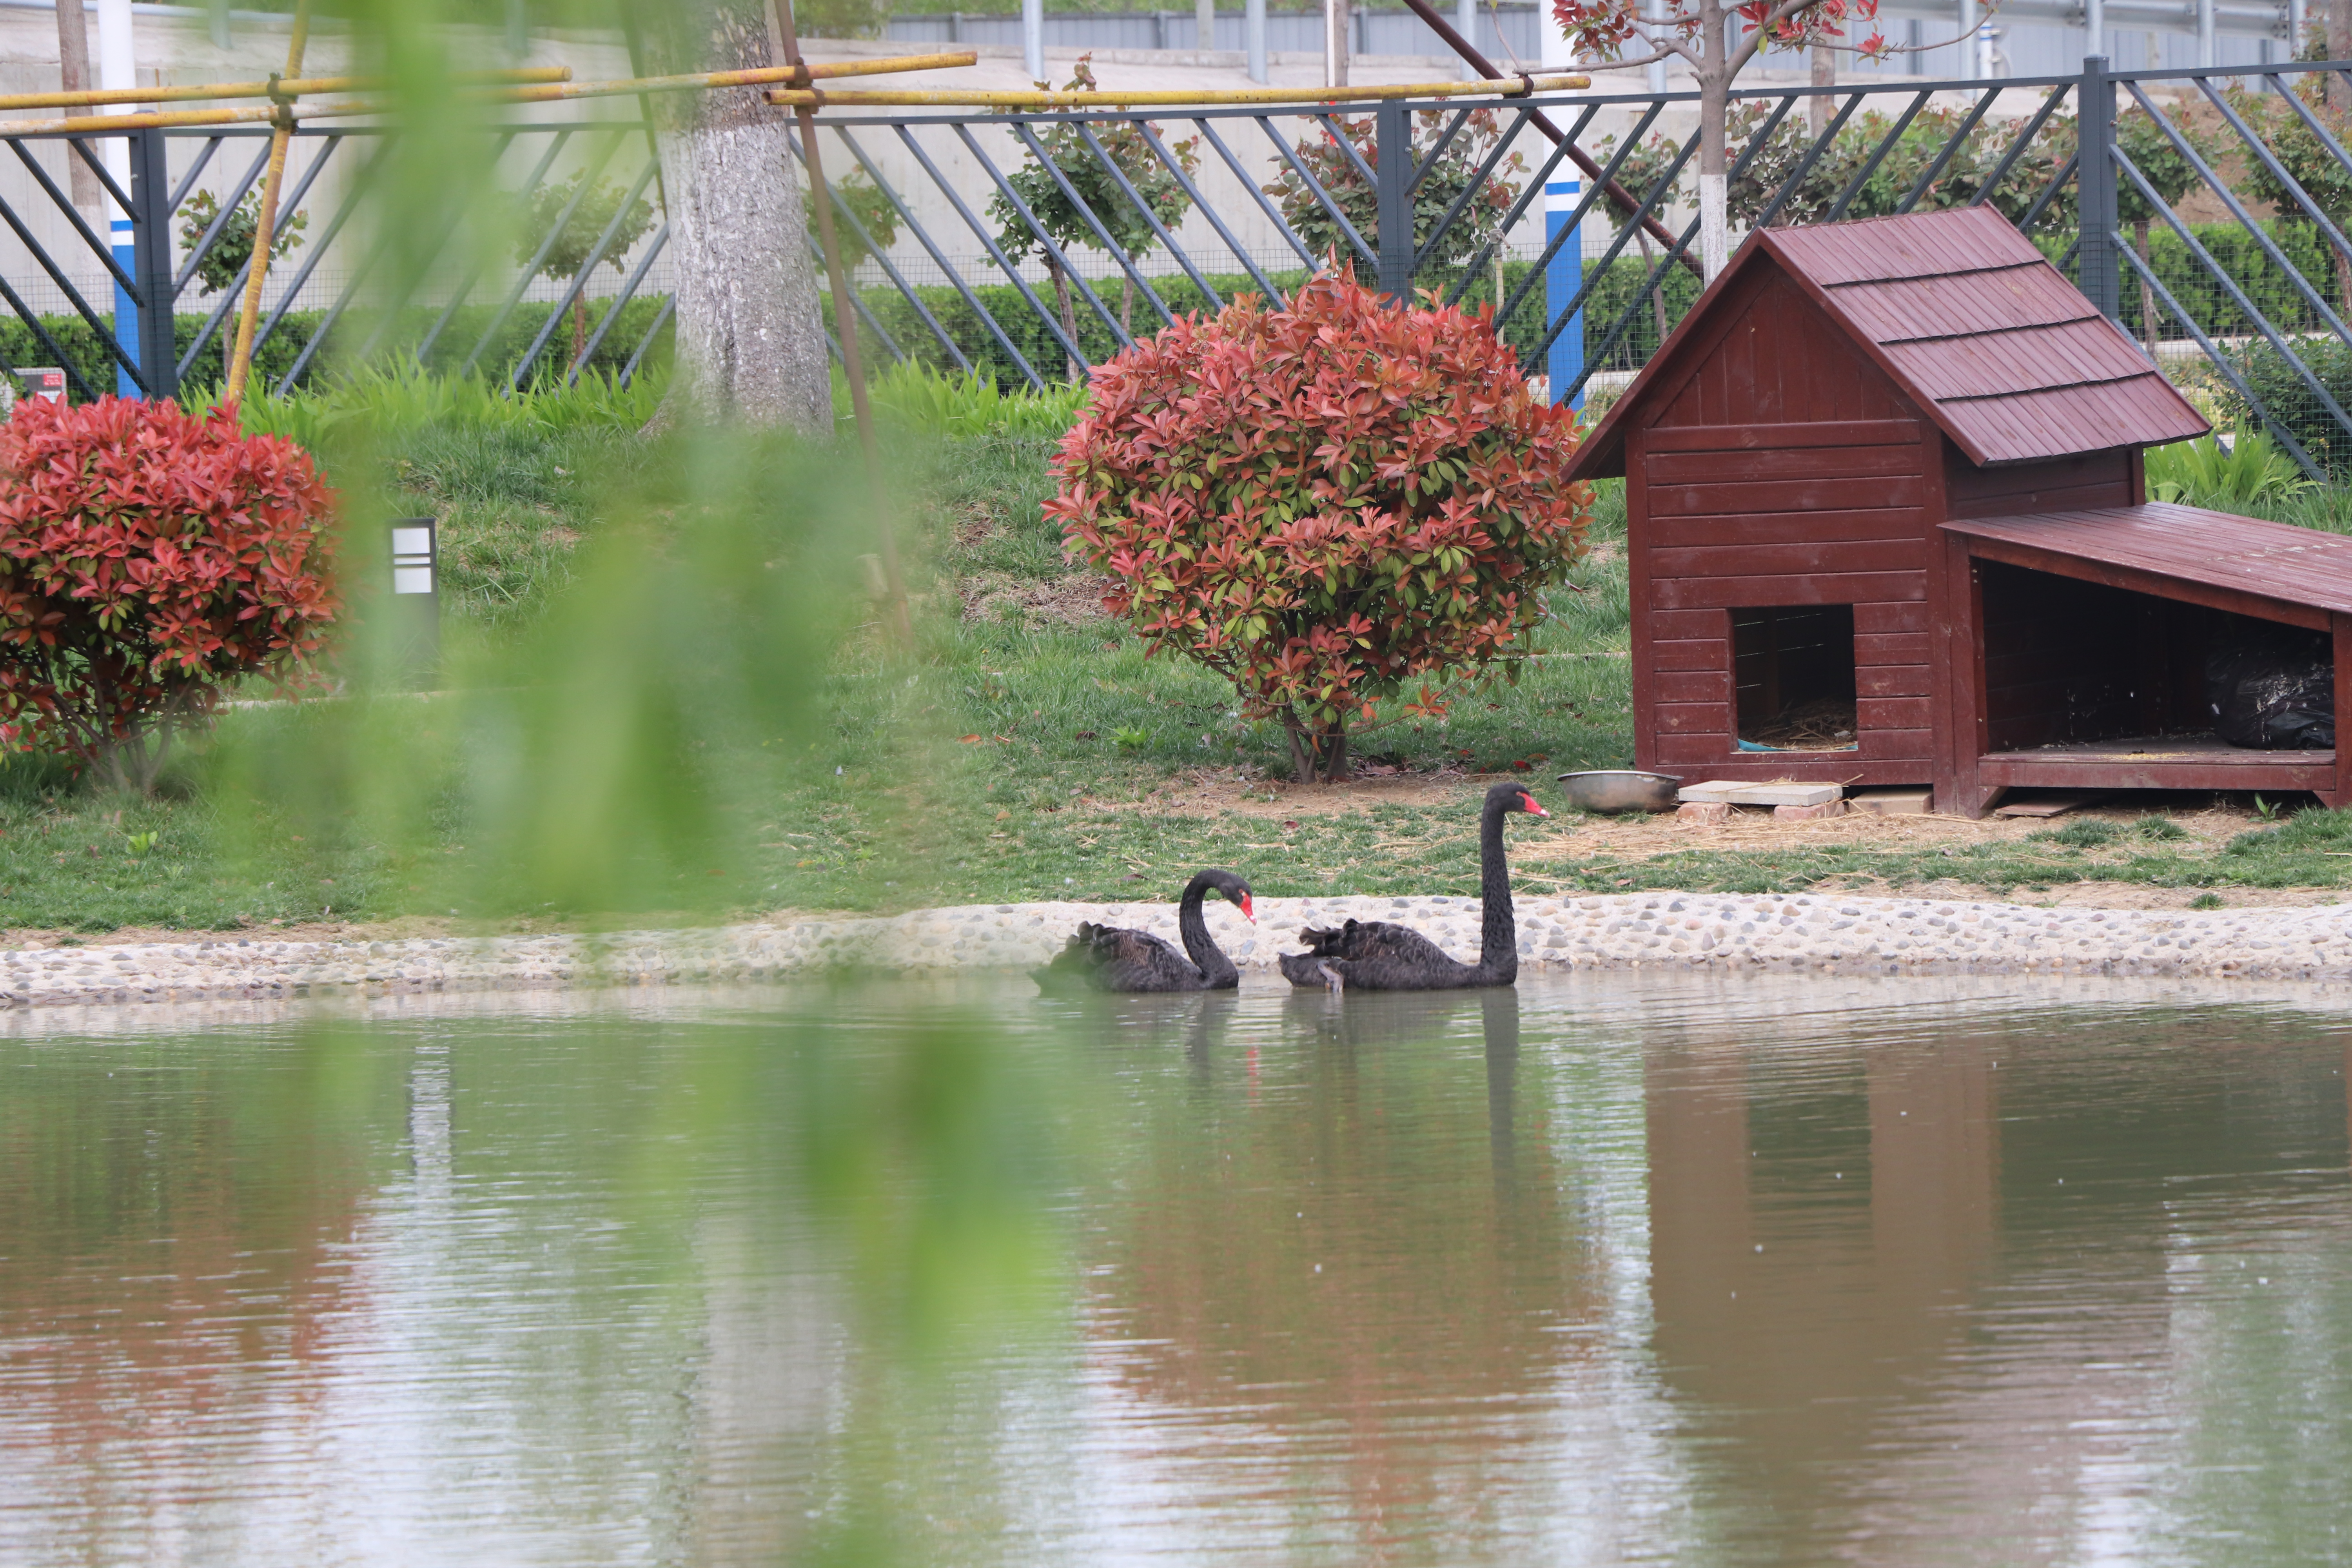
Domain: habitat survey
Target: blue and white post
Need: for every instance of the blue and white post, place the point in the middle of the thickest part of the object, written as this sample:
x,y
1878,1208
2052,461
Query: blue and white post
x,y
1565,276
118,69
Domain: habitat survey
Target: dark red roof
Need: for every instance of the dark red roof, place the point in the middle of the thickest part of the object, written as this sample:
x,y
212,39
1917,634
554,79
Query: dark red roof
x,y
2274,561
1972,322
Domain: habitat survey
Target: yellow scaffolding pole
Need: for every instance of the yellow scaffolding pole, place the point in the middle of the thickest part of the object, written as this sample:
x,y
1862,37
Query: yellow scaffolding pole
x,y
98,124
265,221
1506,87
96,97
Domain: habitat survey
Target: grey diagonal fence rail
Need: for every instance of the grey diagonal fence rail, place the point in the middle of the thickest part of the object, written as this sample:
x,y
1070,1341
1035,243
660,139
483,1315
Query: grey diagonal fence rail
x,y
164,319
2206,211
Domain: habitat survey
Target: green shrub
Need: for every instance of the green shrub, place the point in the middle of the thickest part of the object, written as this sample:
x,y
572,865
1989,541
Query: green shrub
x,y
2253,472
1323,503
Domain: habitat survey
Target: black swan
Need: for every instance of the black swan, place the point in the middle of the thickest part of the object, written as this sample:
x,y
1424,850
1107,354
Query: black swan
x,y
1116,958
1378,956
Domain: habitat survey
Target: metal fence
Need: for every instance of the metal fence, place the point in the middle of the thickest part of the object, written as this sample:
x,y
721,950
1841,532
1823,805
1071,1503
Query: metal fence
x,y
453,313
2207,212
2221,243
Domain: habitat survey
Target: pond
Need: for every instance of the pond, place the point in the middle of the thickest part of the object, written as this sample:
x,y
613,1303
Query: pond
x,y
1691,1271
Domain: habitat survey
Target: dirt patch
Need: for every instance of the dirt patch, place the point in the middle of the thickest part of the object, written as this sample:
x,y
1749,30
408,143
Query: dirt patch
x,y
1206,793
1073,600
1754,830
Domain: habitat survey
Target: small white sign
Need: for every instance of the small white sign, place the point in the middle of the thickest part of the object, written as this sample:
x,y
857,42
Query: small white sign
x,y
412,542
412,579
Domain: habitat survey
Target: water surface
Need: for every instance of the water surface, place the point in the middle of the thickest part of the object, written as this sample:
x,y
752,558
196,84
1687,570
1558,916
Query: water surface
x,y
1700,1272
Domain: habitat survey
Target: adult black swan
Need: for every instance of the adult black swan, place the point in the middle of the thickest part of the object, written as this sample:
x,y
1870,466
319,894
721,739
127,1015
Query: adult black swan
x,y
1378,956
1117,958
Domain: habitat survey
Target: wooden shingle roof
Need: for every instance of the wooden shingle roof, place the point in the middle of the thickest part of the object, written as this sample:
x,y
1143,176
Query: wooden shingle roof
x,y
2283,566
1970,321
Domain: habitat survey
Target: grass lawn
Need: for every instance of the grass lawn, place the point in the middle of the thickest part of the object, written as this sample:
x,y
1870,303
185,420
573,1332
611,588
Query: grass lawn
x,y
1031,751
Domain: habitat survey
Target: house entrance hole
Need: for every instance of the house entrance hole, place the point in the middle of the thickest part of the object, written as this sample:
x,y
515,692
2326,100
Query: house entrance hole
x,y
1792,677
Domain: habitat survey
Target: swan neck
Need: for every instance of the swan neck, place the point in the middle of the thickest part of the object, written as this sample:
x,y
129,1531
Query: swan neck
x,y
1498,946
1192,925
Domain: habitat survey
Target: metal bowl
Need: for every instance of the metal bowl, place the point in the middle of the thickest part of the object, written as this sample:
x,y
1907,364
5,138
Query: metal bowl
x,y
1620,789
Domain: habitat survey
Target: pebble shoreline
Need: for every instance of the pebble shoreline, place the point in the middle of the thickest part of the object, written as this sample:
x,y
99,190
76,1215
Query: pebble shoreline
x,y
1657,932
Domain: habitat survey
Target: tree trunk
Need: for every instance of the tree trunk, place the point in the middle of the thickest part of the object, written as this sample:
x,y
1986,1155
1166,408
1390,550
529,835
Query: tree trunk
x,y
2147,323
2342,279
579,331
1317,756
73,76
1817,110
2339,47
1713,110
1069,316
750,344
1657,296
1126,301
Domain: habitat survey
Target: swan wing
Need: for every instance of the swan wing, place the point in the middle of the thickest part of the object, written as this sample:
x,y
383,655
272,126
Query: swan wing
x,y
1118,958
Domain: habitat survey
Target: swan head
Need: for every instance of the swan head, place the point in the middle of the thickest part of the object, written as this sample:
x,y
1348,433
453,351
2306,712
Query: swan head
x,y
1509,797
1233,889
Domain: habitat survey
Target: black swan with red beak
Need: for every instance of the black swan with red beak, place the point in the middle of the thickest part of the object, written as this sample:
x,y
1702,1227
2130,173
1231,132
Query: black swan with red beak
x,y
1118,958
1374,955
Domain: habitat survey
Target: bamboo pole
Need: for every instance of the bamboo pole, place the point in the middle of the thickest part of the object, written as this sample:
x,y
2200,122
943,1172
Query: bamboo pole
x,y
845,327
93,97
1506,87
535,85
78,126
265,225
765,76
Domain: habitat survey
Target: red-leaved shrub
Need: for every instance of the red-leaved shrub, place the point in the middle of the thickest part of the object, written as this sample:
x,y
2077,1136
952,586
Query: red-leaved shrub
x,y
1324,502
147,557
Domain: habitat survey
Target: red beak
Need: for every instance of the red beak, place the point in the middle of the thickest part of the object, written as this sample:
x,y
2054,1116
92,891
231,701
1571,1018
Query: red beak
x,y
1539,811
1248,913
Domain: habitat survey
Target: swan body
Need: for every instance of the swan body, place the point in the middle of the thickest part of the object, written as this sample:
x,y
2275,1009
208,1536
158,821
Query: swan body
x,y
1120,958
1377,955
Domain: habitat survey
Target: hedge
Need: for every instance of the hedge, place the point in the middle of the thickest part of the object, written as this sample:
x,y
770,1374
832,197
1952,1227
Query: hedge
x,y
277,352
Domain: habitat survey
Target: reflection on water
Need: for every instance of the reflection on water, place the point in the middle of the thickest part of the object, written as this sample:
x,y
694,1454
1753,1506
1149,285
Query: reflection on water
x,y
1704,1271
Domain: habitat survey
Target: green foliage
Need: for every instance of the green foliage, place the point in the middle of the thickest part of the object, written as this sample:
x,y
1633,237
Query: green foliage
x,y
273,357
233,247
2251,471
1905,164
1320,559
2155,155
862,199
930,403
612,755
578,237
1129,225
401,400
840,18
1444,184
2282,396
2090,833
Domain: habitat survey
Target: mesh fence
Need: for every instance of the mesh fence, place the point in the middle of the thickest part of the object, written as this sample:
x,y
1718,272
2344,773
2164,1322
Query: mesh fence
x,y
1029,247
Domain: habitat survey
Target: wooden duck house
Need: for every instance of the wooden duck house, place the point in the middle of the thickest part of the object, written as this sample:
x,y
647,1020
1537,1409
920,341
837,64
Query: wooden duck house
x,y
1888,524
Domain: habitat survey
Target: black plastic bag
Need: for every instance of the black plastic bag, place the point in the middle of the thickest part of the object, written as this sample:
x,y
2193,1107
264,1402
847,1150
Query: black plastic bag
x,y
2273,689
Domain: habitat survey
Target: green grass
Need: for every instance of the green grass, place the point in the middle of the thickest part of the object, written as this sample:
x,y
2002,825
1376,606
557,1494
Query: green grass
x,y
1028,750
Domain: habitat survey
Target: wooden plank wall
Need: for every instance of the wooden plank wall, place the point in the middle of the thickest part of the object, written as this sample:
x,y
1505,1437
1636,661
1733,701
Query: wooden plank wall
x,y
2095,479
1786,470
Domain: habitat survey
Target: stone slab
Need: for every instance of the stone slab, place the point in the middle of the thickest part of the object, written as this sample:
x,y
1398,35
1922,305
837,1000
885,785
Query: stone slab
x,y
1808,813
2051,803
1783,791
1898,802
